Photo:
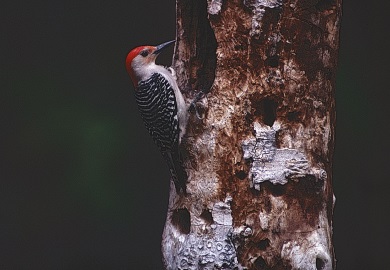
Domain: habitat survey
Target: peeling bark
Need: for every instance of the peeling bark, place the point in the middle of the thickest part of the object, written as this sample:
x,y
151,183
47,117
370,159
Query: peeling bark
x,y
260,160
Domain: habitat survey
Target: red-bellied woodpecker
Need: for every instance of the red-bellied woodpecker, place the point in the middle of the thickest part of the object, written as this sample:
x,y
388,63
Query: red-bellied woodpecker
x,y
161,105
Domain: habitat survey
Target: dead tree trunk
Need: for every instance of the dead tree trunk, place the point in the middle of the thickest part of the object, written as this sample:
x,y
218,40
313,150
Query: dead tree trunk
x,y
260,160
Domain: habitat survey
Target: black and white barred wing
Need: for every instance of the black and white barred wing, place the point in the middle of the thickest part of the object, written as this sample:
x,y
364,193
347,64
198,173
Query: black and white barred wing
x,y
157,105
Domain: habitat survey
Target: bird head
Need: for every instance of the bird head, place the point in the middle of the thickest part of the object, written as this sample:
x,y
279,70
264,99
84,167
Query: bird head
x,y
141,60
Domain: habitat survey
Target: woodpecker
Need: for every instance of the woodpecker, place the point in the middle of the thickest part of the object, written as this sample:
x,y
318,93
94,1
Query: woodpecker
x,y
161,105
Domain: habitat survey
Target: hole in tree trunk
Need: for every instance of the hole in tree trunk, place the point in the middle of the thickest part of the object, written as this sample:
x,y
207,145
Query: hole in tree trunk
x,y
241,174
269,111
260,264
201,56
181,220
320,264
207,216
263,244
265,108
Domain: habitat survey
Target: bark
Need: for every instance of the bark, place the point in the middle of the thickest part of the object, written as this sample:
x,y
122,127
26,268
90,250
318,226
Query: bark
x,y
259,161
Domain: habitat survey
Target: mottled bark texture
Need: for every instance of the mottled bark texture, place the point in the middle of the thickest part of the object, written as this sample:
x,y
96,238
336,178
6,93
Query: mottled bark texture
x,y
259,160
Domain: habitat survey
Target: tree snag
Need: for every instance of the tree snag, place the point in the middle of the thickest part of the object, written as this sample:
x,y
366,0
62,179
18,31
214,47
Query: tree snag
x,y
259,160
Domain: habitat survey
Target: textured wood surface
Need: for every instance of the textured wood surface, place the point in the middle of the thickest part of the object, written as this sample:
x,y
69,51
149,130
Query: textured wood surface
x,y
260,160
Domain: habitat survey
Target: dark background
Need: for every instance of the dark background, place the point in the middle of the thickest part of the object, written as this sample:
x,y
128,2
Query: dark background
x,y
75,155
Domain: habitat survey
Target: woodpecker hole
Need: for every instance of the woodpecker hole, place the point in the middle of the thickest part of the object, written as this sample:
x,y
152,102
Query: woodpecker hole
x,y
207,216
265,108
241,174
269,111
278,190
263,244
181,220
320,264
202,60
260,263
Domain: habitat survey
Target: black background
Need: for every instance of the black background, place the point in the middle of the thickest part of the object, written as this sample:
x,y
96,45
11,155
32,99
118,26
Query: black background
x,y
75,156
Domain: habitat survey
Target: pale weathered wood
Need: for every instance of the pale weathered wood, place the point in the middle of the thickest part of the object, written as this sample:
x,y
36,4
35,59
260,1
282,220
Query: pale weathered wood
x,y
260,160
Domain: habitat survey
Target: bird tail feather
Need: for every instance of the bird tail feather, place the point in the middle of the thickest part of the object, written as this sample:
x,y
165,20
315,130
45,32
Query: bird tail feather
x,y
178,174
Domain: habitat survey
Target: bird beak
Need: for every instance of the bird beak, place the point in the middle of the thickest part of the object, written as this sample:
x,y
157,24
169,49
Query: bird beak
x,y
160,47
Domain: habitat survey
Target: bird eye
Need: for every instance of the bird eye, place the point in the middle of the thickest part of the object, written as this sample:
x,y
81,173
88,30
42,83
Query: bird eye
x,y
144,53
